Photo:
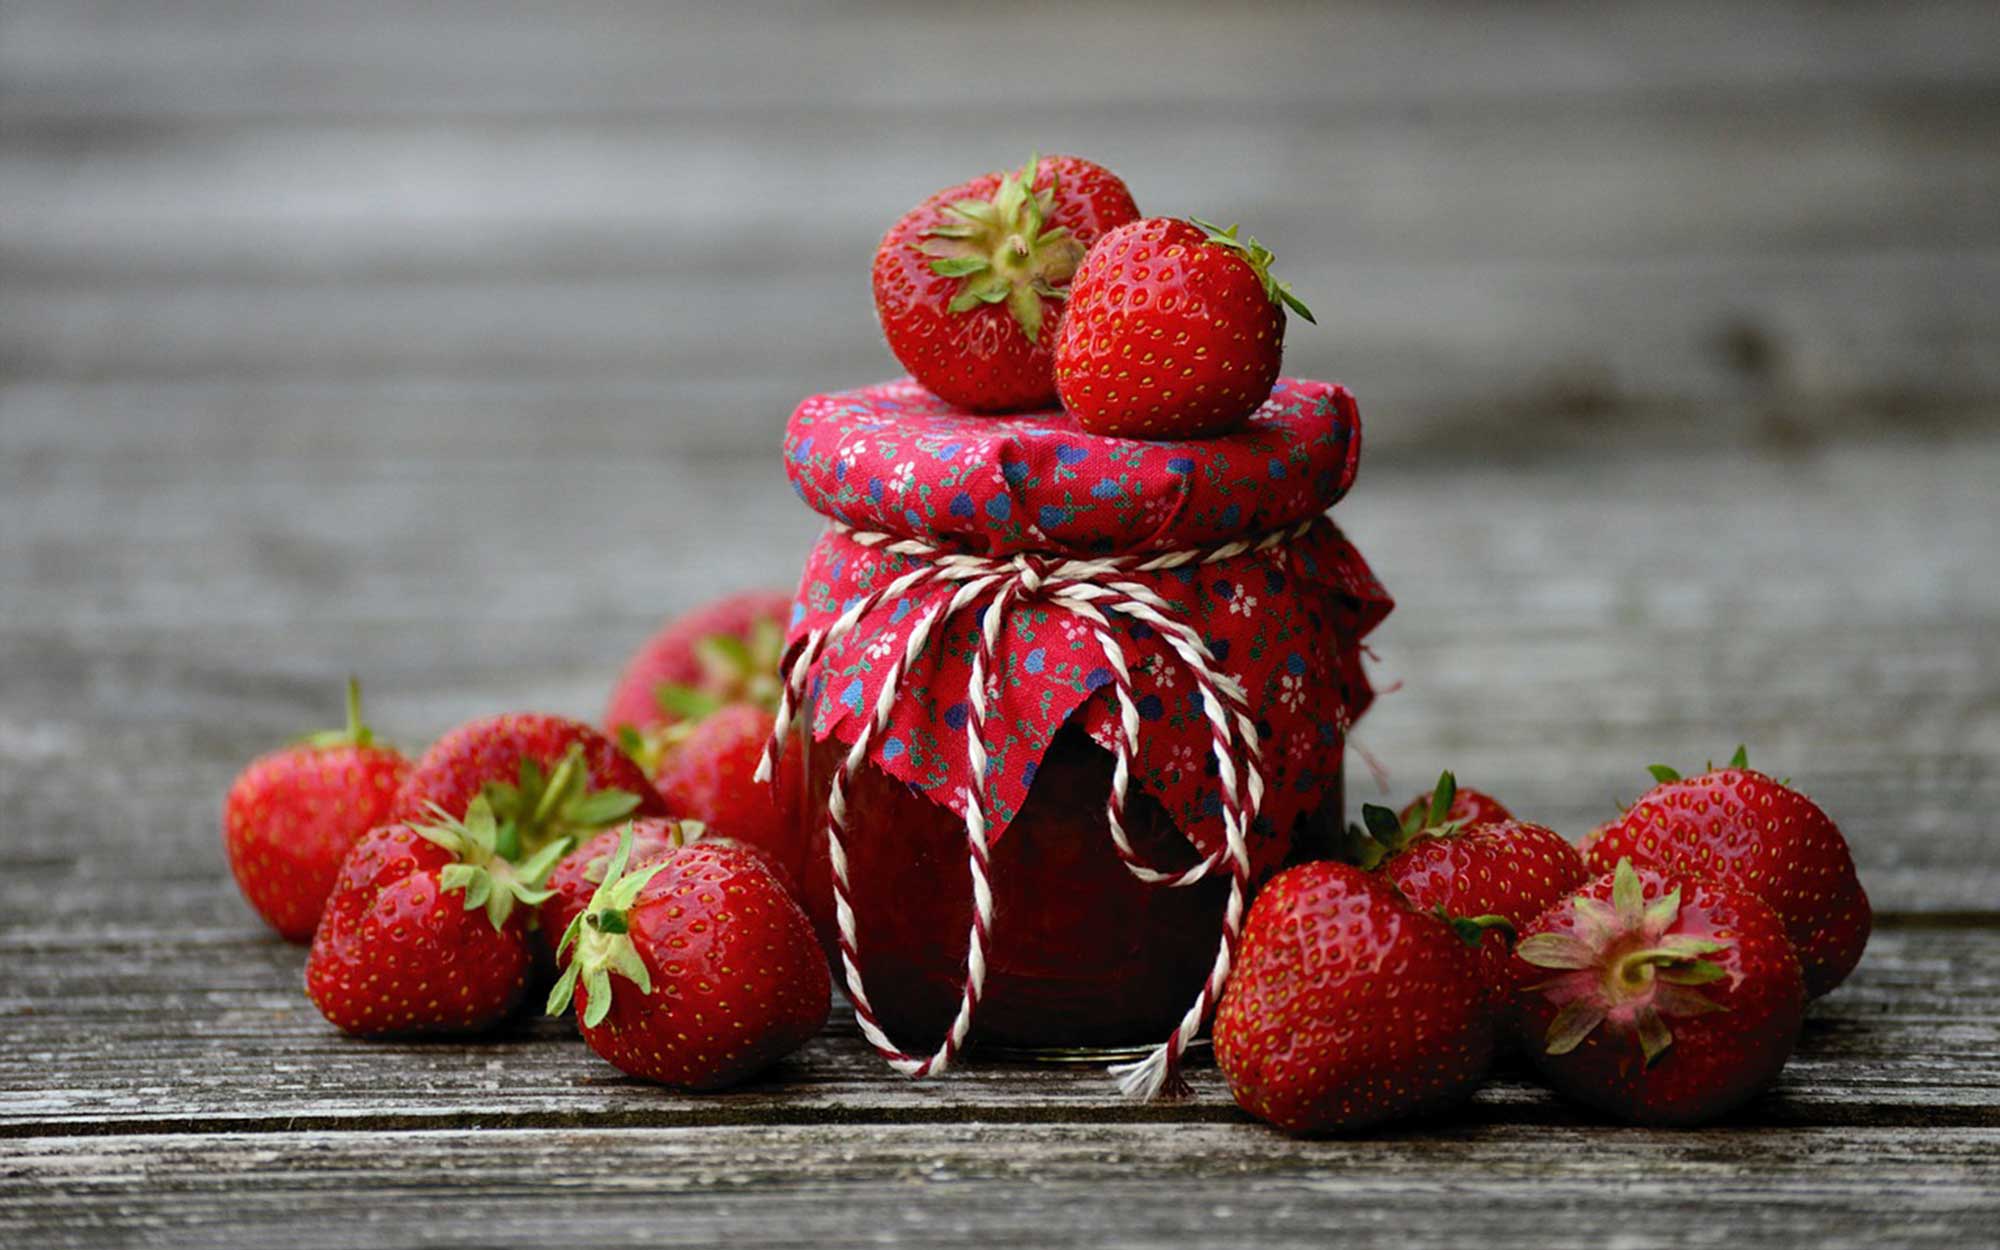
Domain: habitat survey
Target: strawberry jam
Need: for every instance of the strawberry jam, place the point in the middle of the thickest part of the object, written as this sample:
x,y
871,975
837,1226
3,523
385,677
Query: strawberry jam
x,y
1052,590
1082,953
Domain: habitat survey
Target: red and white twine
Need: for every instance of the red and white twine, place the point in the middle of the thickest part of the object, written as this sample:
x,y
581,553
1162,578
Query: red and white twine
x,y
1086,589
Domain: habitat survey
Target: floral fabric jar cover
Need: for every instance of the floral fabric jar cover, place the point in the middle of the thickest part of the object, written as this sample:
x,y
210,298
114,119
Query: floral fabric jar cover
x,y
1285,618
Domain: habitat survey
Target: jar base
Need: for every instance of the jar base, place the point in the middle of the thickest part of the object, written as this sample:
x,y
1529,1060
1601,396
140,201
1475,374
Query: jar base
x,y
1075,1056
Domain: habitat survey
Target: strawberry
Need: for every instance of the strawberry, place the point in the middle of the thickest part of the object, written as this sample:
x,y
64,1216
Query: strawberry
x,y
1673,1000
695,707
711,777
292,816
1174,330
1463,806
723,652
969,283
1348,1006
546,777
1446,809
1738,827
424,931
1489,881
578,874
722,976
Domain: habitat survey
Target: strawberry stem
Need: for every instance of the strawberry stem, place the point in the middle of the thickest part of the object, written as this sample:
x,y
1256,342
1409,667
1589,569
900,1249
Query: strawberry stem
x,y
356,733
1259,258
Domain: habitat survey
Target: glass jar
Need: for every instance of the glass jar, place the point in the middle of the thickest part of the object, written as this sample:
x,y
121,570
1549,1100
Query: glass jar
x,y
1087,962
1186,605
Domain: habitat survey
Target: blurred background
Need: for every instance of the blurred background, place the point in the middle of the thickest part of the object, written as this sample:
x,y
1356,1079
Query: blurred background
x,y
451,343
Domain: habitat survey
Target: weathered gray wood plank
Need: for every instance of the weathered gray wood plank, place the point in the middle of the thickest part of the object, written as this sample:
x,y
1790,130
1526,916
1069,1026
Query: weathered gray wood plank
x,y
1024,1185
1848,339
462,61
119,1029
1630,178
1787,210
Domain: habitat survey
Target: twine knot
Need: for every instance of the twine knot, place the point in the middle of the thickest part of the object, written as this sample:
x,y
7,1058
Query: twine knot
x,y
1031,571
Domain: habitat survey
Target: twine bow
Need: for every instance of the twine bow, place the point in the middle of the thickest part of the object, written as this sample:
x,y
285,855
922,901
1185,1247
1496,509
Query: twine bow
x,y
1087,589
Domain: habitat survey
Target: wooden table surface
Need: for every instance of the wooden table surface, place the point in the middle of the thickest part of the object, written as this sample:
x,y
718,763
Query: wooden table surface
x,y
450,345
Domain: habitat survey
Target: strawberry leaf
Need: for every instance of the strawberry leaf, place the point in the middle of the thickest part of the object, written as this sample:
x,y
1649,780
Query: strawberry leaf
x,y
1628,895
597,994
1556,950
1471,929
1572,1024
1382,823
1442,796
1699,972
1653,1035
685,702
601,807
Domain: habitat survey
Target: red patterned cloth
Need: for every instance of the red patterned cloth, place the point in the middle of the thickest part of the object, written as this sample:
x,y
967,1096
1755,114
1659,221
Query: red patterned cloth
x,y
897,459
1287,621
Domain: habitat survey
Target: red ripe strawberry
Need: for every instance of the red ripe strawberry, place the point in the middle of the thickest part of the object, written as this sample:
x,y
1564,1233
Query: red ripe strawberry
x,y
292,816
721,975
711,776
1349,1007
1490,881
578,875
1446,809
545,777
1463,806
1174,330
424,931
721,653
1738,827
1673,999
968,283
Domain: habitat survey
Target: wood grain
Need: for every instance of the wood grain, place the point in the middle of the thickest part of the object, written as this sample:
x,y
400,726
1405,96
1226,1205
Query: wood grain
x,y
470,60
1008,1184
206,1029
1621,214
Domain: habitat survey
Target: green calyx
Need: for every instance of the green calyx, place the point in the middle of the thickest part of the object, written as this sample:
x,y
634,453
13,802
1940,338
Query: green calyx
x,y
1470,929
733,670
1383,833
1002,250
544,808
1259,258
599,941
355,734
1663,773
486,871
1621,962
685,833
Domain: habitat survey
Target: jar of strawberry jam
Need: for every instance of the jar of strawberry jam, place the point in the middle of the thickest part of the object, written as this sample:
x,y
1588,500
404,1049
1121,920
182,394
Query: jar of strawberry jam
x,y
1058,702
